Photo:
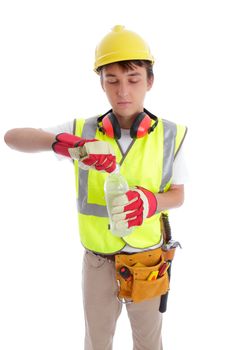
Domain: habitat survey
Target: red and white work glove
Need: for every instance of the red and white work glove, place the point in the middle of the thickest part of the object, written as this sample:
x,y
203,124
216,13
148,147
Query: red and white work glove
x,y
131,208
91,154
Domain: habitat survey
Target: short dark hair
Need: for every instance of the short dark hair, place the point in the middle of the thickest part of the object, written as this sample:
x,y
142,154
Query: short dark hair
x,y
126,65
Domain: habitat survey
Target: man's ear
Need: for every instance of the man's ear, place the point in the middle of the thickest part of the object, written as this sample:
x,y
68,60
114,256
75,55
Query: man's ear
x,y
102,85
150,82
101,80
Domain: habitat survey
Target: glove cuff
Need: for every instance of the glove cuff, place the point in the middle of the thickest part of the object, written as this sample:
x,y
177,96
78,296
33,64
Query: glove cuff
x,y
70,139
64,141
152,201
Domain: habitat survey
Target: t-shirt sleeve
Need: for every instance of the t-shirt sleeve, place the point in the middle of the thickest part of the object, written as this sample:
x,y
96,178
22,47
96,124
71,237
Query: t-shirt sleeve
x,y
58,129
65,127
180,170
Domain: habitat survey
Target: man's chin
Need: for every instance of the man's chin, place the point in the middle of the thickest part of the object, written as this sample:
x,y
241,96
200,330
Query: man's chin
x,y
125,113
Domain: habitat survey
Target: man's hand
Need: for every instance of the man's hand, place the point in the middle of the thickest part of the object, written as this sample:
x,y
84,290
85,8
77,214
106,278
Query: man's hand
x,y
133,207
91,154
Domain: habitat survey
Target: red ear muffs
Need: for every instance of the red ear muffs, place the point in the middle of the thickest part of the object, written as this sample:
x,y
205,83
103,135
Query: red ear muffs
x,y
111,126
108,124
141,126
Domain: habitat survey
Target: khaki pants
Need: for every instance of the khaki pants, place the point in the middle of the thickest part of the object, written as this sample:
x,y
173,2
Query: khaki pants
x,y
102,309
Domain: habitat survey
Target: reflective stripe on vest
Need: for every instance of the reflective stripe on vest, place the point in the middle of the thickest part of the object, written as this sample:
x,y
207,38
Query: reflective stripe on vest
x,y
148,163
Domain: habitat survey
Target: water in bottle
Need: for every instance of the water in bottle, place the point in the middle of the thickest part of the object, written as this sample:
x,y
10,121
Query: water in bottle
x,y
115,184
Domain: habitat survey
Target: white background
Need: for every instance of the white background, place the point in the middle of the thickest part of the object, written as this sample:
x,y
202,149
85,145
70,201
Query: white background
x,y
46,78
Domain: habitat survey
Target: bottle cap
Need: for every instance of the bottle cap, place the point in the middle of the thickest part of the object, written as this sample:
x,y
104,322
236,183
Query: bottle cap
x,y
117,169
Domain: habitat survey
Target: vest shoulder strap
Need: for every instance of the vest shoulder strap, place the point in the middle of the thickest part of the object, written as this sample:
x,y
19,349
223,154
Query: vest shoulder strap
x,y
180,136
86,128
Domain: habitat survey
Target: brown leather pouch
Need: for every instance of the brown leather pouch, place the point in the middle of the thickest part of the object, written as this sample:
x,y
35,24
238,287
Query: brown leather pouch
x,y
139,286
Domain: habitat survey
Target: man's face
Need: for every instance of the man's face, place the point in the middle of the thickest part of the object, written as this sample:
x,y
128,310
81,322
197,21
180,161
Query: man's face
x,y
125,90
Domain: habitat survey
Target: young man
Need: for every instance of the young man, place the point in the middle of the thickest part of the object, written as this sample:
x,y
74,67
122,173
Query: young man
x,y
149,152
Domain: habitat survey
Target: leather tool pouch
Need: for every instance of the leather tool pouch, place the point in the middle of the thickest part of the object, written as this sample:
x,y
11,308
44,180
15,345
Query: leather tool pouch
x,y
138,286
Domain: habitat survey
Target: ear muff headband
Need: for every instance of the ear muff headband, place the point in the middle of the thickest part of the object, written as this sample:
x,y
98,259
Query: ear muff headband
x,y
152,116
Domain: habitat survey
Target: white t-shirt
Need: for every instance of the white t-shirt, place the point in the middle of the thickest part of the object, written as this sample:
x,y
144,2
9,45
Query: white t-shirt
x,y
180,174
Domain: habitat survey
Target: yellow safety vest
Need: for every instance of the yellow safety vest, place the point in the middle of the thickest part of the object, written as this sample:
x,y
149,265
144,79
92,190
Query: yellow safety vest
x,y
148,163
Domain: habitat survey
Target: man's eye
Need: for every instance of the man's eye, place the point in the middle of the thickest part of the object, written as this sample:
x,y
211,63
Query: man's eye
x,y
133,81
112,81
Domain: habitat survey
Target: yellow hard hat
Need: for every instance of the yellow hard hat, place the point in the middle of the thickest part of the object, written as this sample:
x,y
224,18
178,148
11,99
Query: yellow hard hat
x,y
121,45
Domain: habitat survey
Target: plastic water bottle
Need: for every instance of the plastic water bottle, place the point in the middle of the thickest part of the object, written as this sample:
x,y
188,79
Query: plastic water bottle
x,y
115,184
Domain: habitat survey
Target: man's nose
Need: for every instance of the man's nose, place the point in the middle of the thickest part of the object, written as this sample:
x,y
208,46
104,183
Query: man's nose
x,y
123,90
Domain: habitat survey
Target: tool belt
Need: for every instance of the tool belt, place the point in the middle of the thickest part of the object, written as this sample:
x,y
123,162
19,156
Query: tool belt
x,y
143,276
